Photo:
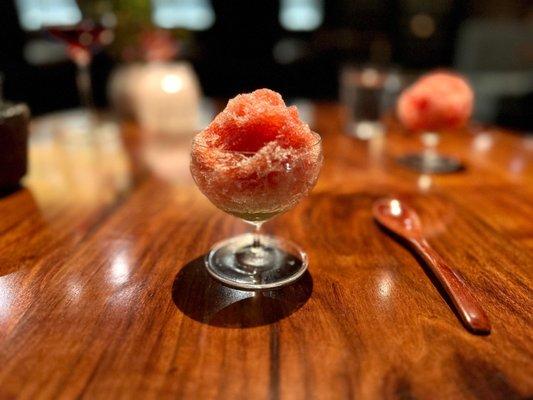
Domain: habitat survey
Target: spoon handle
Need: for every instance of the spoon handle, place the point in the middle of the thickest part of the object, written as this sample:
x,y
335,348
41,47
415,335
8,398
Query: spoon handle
x,y
466,304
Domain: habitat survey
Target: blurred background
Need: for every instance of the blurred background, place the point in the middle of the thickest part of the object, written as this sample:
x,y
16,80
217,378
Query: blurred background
x,y
297,47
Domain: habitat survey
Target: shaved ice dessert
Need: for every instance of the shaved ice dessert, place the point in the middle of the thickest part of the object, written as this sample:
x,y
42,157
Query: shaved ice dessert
x,y
257,158
439,100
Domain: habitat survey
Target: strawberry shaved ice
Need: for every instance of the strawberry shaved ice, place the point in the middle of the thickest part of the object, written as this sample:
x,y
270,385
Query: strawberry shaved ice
x,y
252,120
257,158
439,100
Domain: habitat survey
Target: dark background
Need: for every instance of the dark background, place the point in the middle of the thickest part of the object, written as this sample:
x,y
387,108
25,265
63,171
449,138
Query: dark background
x,y
491,41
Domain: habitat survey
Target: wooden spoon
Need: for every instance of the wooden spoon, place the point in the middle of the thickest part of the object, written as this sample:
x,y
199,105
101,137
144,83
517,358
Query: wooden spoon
x,y
404,221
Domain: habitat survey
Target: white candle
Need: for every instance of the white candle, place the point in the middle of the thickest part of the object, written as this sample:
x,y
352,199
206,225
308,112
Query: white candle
x,y
167,99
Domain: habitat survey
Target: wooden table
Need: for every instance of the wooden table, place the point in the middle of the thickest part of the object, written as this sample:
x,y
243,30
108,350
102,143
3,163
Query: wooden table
x,y
103,293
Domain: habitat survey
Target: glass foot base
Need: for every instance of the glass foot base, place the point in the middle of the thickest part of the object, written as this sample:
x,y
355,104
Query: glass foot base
x,y
239,263
435,164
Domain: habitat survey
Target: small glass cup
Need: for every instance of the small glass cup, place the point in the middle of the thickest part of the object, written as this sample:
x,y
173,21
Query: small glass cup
x,y
367,93
256,186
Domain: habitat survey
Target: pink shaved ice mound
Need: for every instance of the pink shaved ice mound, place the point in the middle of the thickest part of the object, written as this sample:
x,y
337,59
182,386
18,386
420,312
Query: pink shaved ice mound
x,y
439,100
257,158
251,121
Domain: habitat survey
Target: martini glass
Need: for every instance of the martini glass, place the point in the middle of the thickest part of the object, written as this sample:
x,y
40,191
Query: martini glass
x,y
83,39
255,187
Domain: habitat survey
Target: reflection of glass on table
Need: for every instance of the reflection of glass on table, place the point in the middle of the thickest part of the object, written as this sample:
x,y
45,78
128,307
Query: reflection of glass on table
x,y
367,92
64,169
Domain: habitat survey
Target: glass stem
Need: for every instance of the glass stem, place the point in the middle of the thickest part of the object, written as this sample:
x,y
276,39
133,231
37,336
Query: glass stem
x,y
430,141
257,235
83,80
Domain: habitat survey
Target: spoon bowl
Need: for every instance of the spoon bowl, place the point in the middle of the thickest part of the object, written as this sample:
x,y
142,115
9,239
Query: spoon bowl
x,y
397,217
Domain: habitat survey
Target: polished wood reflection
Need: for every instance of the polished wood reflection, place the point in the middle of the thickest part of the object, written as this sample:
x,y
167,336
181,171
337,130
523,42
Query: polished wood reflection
x,y
102,294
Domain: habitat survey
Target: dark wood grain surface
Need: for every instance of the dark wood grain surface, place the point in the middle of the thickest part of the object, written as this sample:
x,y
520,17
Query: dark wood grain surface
x,y
103,293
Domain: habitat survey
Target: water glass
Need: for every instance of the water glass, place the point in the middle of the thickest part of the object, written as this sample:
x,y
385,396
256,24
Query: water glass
x,y
367,93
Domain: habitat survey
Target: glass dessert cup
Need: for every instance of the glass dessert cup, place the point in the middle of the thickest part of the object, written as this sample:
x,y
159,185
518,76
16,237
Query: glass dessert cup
x,y
255,187
430,160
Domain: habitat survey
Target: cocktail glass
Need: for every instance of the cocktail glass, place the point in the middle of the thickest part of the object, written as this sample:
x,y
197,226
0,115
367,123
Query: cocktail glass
x,y
255,187
83,38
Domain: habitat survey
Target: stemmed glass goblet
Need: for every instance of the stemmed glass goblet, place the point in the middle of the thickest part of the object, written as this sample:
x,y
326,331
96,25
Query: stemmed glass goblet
x,y
83,38
430,160
256,186
440,100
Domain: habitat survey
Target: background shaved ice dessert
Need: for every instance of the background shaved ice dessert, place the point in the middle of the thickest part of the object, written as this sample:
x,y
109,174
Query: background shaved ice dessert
x,y
257,158
439,100
436,102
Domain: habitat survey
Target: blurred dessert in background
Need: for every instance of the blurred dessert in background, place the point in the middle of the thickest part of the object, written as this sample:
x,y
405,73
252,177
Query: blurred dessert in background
x,y
438,100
